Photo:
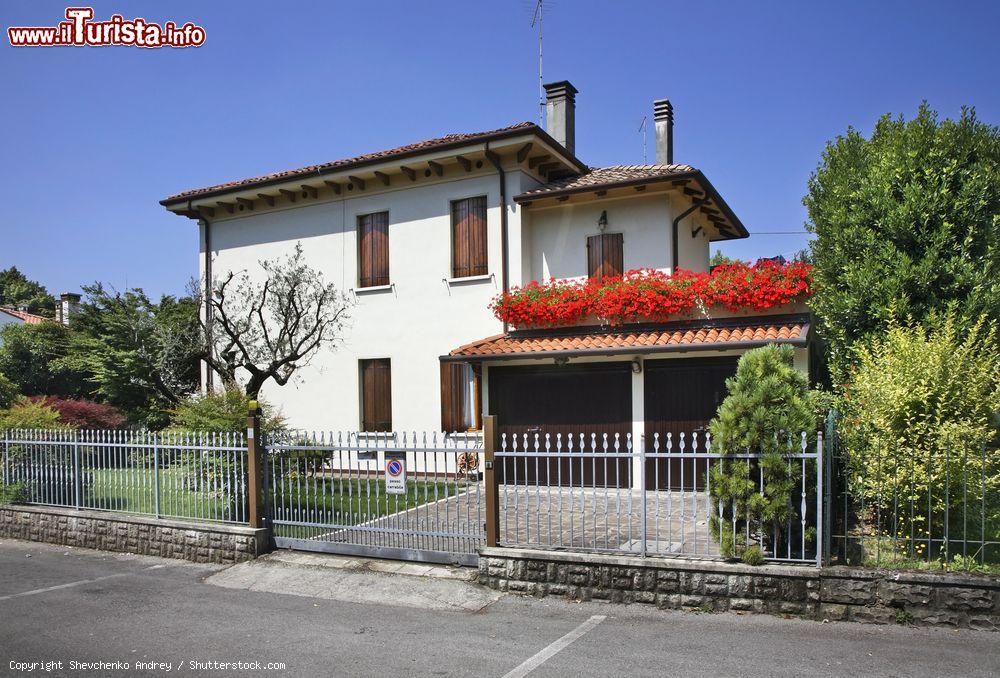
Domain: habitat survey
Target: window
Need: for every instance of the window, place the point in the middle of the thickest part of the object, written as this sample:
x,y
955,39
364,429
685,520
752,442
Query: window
x,y
376,395
373,249
461,398
605,255
468,237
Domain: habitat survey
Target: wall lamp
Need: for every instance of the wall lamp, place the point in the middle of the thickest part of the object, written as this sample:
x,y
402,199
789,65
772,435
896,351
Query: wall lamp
x,y
636,366
602,222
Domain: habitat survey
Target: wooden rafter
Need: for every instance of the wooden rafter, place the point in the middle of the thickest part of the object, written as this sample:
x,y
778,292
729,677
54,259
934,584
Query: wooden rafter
x,y
383,177
523,152
600,194
269,199
228,206
464,162
311,190
640,188
207,211
547,167
360,183
537,160
410,173
246,203
291,195
436,167
334,185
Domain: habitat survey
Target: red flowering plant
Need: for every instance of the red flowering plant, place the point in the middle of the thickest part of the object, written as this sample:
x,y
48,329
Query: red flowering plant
x,y
651,295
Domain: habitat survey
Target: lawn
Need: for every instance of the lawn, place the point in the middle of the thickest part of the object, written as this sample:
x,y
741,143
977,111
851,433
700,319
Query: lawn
x,y
132,490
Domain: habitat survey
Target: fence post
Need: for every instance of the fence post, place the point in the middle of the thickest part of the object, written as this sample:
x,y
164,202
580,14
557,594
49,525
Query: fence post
x,y
831,449
820,493
642,494
490,478
156,473
77,475
255,479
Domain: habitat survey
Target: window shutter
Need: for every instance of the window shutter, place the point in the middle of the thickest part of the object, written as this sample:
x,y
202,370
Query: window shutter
x,y
605,255
452,384
373,252
469,245
376,395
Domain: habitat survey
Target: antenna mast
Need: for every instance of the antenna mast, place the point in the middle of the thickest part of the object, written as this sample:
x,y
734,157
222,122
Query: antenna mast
x,y
642,128
537,16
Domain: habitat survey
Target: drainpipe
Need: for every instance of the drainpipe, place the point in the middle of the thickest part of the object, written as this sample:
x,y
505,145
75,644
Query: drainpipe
x,y
673,235
504,254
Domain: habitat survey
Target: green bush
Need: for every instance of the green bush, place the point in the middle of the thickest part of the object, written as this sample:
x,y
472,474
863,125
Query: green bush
x,y
25,413
221,411
918,413
768,406
8,392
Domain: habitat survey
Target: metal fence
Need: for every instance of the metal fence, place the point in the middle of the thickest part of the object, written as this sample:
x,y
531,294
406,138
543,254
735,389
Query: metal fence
x,y
170,474
598,492
332,492
904,509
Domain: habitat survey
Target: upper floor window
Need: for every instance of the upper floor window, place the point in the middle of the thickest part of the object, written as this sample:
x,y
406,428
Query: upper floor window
x,y
605,255
376,395
468,237
373,249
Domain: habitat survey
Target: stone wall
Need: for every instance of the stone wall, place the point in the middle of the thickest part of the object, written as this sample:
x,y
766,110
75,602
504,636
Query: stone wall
x,y
837,593
195,541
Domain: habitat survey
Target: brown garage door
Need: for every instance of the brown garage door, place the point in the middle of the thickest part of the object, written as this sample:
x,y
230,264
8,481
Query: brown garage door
x,y
569,400
681,396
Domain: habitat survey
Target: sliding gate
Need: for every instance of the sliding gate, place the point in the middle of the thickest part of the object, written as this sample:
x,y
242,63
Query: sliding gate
x,y
407,496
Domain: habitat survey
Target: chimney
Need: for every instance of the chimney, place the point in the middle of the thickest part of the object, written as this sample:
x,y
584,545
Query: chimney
x,y
560,113
663,119
66,307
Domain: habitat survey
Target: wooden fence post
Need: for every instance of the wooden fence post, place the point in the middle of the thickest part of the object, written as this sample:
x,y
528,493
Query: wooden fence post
x,y
255,479
490,440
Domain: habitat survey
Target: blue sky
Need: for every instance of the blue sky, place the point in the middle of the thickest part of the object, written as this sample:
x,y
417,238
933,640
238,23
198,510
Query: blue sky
x,y
94,137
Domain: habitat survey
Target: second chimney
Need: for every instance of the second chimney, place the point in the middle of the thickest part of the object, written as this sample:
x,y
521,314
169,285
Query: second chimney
x,y
560,113
67,306
663,119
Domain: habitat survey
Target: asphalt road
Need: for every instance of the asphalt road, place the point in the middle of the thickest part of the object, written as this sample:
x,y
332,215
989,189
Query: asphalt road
x,y
85,606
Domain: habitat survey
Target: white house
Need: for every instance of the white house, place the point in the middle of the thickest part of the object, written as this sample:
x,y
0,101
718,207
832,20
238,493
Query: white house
x,y
426,235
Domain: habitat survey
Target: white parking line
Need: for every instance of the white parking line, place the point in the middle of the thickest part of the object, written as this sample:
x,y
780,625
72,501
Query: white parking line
x,y
549,651
61,586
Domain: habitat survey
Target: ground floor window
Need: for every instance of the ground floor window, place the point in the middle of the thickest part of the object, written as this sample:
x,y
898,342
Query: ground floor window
x,y
460,397
376,395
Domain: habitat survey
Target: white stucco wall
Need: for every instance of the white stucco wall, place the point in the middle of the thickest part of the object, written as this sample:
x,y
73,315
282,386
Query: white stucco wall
x,y
421,318
555,240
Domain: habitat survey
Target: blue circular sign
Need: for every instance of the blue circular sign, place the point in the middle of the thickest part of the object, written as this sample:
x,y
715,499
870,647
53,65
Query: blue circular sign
x,y
394,467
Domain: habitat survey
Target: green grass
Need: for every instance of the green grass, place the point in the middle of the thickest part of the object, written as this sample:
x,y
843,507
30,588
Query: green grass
x,y
132,491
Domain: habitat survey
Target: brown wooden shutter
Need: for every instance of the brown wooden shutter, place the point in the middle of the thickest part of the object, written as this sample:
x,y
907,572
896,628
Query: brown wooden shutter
x,y
452,384
605,255
468,246
373,249
376,395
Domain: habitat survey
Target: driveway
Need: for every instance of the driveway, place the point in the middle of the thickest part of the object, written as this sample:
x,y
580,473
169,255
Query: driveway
x,y
58,604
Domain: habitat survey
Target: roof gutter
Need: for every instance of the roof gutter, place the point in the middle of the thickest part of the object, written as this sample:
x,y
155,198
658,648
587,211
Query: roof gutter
x,y
624,350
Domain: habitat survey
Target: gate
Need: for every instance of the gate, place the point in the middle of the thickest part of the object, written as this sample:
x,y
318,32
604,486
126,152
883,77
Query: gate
x,y
328,492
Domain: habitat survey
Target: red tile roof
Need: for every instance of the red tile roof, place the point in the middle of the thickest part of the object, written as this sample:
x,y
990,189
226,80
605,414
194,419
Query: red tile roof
x,y
741,333
28,318
425,145
599,177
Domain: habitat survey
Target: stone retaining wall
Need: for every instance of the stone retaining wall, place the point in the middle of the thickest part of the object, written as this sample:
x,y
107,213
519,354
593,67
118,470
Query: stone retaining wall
x,y
834,593
194,541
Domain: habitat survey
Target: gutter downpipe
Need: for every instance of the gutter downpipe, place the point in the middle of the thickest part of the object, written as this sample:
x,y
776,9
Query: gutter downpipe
x,y
504,253
209,315
673,235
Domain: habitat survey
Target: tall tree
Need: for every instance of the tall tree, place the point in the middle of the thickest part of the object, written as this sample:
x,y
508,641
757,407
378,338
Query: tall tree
x,y
906,222
266,327
33,358
16,290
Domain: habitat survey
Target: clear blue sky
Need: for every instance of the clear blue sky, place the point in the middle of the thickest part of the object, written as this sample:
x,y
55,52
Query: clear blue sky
x,y
94,137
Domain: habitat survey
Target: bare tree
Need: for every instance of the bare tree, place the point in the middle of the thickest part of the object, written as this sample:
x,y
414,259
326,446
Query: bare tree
x,y
268,329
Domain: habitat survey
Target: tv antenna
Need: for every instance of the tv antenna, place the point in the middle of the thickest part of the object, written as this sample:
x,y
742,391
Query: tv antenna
x,y
642,129
536,17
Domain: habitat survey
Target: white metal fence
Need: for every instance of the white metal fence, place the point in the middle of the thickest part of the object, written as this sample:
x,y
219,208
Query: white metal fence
x,y
200,476
598,492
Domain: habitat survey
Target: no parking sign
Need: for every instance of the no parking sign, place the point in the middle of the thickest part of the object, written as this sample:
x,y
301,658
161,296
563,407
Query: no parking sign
x,y
395,472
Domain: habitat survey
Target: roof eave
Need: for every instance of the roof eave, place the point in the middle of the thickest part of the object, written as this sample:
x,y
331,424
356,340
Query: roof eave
x,y
570,158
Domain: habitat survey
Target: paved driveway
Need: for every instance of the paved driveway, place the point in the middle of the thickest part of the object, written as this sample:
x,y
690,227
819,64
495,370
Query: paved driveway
x,y
84,606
